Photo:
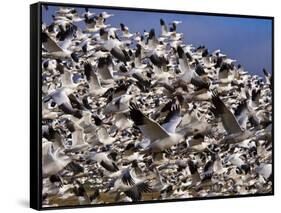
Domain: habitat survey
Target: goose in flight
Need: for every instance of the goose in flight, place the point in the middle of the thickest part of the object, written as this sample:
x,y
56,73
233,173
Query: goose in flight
x,y
115,47
208,169
91,24
193,169
67,77
62,100
159,136
65,10
95,87
121,122
189,75
103,158
86,122
49,114
130,183
268,77
265,170
128,175
106,15
164,29
134,192
239,161
56,51
105,68
119,104
88,13
152,40
175,37
77,137
103,136
235,133
100,21
53,160
125,31
229,121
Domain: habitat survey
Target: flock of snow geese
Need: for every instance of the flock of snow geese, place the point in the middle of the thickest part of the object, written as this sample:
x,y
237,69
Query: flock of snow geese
x,y
132,116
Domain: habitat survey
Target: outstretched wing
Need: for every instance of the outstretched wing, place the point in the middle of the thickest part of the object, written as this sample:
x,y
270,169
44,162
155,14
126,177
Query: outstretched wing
x,y
229,121
135,193
49,44
198,82
127,178
109,166
149,127
172,119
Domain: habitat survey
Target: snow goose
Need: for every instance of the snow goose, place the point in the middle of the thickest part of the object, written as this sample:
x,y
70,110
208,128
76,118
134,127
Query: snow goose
x,y
125,31
130,183
61,98
53,160
265,170
95,87
54,50
119,104
103,158
159,137
189,75
78,143
235,133
164,29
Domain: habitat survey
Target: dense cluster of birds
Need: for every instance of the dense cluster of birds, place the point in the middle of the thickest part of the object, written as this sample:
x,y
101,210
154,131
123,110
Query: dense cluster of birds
x,y
132,116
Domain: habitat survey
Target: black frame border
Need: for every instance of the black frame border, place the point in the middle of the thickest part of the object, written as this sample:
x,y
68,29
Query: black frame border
x,y
36,108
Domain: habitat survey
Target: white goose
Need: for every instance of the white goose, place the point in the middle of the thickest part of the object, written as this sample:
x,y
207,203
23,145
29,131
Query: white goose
x,y
53,161
56,51
189,75
78,142
95,86
161,137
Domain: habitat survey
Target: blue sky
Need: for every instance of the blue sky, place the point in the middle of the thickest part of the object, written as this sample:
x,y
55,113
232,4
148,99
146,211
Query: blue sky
x,y
247,40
